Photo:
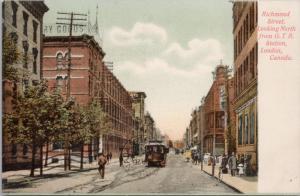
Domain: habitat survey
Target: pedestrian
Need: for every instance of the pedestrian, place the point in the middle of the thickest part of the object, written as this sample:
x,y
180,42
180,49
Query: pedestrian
x,y
199,156
232,164
196,158
101,162
224,163
107,157
121,158
110,156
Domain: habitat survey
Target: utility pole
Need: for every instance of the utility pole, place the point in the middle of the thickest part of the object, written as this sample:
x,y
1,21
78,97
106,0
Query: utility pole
x,y
68,19
227,109
214,134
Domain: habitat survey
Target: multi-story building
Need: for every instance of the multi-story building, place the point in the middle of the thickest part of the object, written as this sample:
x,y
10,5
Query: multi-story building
x,y
138,105
22,24
213,136
230,129
194,128
201,124
245,74
149,127
90,81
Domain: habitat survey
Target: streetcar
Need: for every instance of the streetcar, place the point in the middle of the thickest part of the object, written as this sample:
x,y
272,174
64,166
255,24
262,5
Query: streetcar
x,y
156,153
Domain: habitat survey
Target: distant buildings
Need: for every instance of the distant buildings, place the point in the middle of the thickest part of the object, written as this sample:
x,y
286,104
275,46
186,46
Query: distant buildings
x,y
138,105
228,122
22,24
150,130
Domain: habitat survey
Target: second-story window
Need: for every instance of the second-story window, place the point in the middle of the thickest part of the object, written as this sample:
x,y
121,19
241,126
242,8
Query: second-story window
x,y
59,60
35,54
25,55
14,6
35,27
25,17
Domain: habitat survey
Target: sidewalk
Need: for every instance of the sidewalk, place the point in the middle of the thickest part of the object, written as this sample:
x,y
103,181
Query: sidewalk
x,y
244,184
56,180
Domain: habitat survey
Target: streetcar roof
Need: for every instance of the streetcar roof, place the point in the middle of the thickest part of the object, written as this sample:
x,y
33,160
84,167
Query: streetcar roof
x,y
154,144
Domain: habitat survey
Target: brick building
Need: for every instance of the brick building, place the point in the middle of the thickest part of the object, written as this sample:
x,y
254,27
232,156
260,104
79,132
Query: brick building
x,y
230,129
215,114
22,23
90,80
245,74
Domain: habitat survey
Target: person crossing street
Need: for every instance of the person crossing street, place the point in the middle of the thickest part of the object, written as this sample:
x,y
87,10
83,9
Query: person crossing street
x,y
102,162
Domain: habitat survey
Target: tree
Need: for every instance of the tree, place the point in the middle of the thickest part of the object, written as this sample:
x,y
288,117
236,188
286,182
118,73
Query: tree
x,y
98,121
53,123
10,56
36,119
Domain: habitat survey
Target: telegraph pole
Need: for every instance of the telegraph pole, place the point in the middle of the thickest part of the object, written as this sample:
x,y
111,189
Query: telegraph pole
x,y
68,19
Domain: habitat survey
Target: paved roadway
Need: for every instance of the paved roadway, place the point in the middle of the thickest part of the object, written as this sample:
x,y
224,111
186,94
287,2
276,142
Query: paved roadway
x,y
177,177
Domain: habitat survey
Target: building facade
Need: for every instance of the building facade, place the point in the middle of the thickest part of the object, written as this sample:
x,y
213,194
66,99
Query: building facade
x,y
245,74
22,24
213,136
138,105
194,128
91,81
150,131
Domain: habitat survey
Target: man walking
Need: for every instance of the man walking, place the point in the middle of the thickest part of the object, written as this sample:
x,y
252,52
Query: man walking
x,y
121,158
101,162
232,164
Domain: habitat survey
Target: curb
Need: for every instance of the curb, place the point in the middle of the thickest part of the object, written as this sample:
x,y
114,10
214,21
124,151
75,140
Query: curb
x,y
230,186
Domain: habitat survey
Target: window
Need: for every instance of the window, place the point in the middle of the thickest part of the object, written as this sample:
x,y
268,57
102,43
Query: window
x,y
35,82
58,145
35,27
3,10
25,17
246,140
14,6
59,81
252,128
14,149
25,150
25,84
59,60
14,37
25,48
35,54
252,18
240,130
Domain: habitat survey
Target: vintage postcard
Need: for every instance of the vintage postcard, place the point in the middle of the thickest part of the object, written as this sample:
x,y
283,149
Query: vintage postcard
x,y
150,97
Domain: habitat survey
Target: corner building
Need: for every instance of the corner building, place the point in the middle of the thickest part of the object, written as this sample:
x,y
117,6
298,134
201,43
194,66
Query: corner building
x,y
245,74
215,115
90,80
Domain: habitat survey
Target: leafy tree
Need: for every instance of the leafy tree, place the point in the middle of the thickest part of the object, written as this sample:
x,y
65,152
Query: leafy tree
x,y
36,120
98,121
10,56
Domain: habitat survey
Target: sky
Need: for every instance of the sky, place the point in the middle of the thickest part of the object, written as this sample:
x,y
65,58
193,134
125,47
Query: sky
x,y
165,48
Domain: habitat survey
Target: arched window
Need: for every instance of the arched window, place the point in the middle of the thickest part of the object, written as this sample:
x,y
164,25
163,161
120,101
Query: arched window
x,y
59,60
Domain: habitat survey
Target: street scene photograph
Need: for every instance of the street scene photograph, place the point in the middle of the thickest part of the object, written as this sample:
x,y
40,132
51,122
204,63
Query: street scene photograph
x,y
129,97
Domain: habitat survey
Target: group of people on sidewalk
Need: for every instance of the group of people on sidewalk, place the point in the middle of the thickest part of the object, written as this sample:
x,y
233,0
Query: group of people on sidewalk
x,y
196,157
240,166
